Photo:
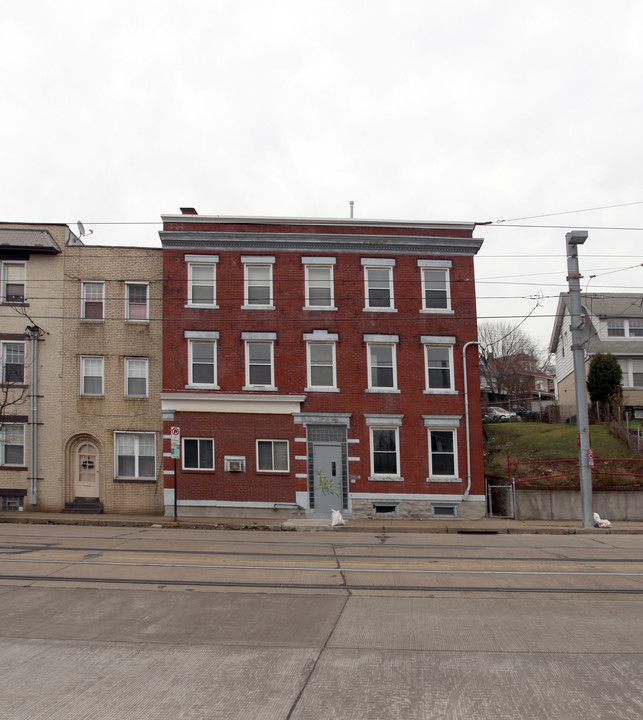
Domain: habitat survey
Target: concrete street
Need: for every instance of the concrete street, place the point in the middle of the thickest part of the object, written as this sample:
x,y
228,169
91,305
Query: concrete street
x,y
141,622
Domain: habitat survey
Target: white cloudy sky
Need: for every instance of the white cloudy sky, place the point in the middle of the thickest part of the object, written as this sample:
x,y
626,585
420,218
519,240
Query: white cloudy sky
x,y
117,112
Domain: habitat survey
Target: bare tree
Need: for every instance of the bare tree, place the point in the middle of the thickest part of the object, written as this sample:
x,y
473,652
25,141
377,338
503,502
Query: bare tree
x,y
508,359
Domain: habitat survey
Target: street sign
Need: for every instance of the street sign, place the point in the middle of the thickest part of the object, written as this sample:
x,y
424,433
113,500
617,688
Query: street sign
x,y
590,457
175,436
175,452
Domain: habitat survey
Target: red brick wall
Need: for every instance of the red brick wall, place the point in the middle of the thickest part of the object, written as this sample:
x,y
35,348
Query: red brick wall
x,y
235,434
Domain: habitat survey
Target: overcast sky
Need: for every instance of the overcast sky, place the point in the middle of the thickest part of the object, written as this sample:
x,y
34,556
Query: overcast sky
x,y
116,112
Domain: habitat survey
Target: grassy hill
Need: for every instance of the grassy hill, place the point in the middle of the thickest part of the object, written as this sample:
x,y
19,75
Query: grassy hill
x,y
545,442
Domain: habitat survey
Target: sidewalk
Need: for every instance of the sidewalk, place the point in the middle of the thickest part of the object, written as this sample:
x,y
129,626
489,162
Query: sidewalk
x,y
486,526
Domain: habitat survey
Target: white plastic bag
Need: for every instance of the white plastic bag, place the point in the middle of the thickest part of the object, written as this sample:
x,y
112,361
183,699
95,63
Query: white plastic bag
x,y
599,522
336,518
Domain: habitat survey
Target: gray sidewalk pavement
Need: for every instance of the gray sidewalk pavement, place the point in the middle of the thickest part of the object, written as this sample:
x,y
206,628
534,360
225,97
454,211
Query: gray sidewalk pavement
x,y
375,525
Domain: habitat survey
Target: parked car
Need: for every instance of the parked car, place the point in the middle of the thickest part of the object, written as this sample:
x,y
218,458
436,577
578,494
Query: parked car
x,y
499,414
525,413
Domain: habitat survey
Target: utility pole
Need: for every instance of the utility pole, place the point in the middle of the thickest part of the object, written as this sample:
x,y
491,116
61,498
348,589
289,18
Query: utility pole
x,y
574,239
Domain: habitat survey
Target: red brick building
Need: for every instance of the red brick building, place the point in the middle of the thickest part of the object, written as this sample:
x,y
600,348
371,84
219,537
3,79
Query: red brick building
x,y
316,364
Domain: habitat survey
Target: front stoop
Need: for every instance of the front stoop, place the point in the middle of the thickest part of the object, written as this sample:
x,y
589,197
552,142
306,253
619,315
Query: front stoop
x,y
88,506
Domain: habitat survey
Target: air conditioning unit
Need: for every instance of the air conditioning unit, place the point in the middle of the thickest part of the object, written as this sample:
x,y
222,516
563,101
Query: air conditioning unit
x,y
235,464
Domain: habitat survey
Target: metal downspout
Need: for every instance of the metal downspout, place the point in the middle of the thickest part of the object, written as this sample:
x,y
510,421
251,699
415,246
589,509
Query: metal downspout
x,y
466,414
33,333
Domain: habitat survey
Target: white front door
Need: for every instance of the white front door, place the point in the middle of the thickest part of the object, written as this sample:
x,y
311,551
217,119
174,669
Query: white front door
x,y
86,482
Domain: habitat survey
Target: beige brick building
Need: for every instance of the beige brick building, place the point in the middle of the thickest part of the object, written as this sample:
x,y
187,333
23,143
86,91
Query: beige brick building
x,y
31,326
111,380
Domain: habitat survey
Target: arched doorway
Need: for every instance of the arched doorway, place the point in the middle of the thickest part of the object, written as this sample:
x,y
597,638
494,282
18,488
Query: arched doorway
x,y
86,471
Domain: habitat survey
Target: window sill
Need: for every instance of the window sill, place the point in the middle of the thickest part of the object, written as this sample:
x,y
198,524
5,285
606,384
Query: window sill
x,y
437,311
14,385
91,397
389,391
379,310
135,480
136,397
15,303
260,388
200,307
440,392
321,389
258,307
274,472
444,480
319,309
385,478
92,321
197,470
195,386
129,321
13,467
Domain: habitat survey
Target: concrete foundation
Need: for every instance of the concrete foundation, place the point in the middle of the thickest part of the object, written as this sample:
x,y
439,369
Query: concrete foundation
x,y
566,504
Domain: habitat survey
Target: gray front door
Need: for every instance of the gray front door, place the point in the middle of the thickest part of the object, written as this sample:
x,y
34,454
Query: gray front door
x,y
327,463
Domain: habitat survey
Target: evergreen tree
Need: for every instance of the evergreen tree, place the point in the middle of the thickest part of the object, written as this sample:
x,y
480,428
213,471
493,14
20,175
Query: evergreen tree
x,y
604,378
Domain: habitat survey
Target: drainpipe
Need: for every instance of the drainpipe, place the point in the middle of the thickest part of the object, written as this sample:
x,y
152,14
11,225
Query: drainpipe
x,y
466,414
33,332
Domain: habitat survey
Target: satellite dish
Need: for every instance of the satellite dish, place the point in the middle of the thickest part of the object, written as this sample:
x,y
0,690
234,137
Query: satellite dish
x,y
81,230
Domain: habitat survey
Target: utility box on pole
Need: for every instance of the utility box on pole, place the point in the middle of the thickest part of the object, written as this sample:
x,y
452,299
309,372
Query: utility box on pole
x,y
574,239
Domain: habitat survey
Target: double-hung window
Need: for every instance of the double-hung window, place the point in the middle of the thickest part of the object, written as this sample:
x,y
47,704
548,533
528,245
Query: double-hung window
x,y
272,455
258,282
198,454
436,291
92,369
384,432
136,301
13,281
202,358
202,277
381,357
636,327
12,444
438,363
443,447
378,284
320,355
260,370
135,455
319,286
136,376
93,300
615,327
13,362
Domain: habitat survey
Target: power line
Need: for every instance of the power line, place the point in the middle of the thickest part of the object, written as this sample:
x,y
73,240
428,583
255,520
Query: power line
x,y
571,212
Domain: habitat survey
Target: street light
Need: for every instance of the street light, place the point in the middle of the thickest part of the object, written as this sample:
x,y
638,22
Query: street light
x,y
574,239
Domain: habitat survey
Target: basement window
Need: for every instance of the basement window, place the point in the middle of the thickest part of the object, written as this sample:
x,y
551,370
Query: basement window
x,y
444,510
390,509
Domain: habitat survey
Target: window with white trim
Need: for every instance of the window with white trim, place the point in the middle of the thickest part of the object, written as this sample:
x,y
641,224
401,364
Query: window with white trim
x,y
385,456
439,367
135,456
13,281
202,362
202,277
378,287
93,301
260,364
136,301
382,370
272,456
12,444
198,453
136,373
616,327
13,362
321,365
632,372
92,371
636,327
443,460
258,285
436,294
319,287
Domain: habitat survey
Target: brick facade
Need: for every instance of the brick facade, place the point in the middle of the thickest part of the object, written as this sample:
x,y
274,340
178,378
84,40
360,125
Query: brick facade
x,y
379,416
